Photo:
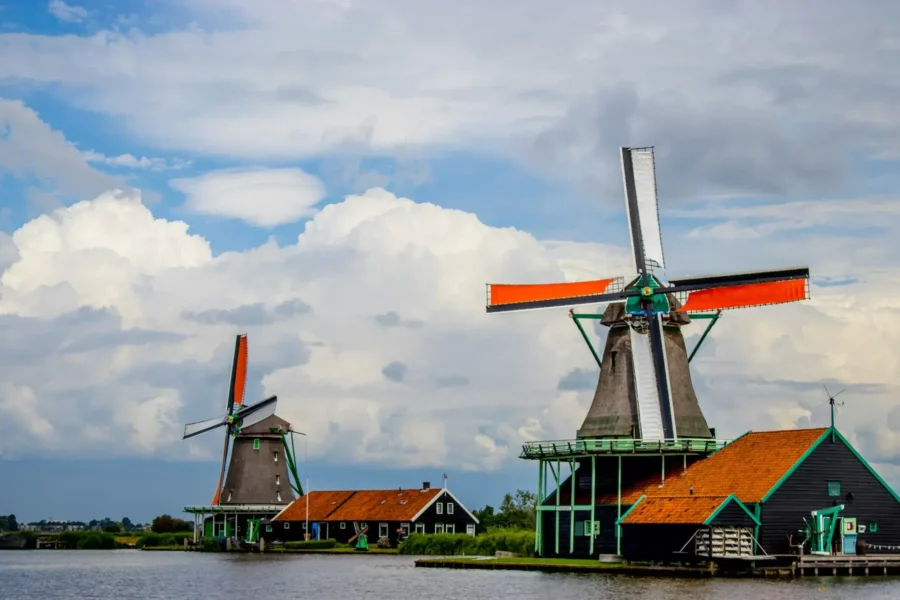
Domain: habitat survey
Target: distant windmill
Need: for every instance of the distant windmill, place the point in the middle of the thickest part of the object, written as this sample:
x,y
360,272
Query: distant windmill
x,y
237,416
650,395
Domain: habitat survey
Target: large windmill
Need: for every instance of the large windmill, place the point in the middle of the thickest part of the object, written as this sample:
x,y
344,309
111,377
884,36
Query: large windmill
x,y
651,388
237,417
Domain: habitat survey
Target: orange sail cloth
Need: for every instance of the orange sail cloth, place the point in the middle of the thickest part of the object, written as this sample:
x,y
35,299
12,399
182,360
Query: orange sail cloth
x,y
240,371
740,296
514,293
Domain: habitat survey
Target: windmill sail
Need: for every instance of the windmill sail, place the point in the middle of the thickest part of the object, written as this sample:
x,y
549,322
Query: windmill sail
x,y
646,387
192,429
652,392
639,172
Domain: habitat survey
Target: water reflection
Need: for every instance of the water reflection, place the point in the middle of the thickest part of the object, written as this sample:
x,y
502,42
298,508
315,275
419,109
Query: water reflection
x,y
131,574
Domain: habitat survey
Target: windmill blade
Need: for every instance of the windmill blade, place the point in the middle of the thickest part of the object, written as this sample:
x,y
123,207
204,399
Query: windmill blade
x,y
741,290
198,427
517,297
651,382
642,208
218,495
238,373
250,415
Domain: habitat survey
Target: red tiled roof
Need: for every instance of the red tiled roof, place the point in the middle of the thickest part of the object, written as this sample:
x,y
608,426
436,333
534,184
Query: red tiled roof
x,y
360,505
748,467
678,510
321,504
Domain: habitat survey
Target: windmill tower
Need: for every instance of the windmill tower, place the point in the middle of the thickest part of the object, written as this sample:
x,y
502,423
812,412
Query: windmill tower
x,y
645,390
645,423
261,472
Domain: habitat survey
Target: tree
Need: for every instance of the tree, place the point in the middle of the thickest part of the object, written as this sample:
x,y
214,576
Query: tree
x,y
12,524
519,510
127,525
112,528
169,524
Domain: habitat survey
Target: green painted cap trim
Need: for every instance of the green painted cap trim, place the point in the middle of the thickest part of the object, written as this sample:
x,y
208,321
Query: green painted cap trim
x,y
796,465
628,512
726,502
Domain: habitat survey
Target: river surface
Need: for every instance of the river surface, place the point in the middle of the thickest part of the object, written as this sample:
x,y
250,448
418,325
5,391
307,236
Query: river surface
x,y
132,574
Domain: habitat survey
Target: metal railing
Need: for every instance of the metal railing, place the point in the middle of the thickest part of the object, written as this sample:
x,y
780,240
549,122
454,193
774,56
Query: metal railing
x,y
557,448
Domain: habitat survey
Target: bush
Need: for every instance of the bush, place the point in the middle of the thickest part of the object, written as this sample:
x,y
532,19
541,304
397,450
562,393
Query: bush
x,y
311,545
95,540
383,543
213,545
448,544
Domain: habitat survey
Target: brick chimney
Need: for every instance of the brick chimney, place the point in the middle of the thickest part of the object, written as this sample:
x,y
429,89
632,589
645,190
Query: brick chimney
x,y
426,485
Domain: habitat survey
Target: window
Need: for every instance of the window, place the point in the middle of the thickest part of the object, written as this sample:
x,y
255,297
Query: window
x,y
439,528
834,489
873,526
449,508
269,528
440,508
420,528
278,496
256,444
229,496
304,526
449,528
404,529
579,528
287,525
275,456
382,530
343,525
278,480
470,529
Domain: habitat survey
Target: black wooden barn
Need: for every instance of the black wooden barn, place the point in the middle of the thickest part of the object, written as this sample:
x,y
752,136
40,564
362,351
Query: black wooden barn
x,y
392,514
756,495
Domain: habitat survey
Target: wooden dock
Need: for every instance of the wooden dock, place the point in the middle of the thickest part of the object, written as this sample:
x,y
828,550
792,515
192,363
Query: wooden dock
x,y
847,565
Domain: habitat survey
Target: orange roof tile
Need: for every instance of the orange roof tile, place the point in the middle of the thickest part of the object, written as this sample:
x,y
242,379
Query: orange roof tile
x,y
321,504
678,510
748,467
360,505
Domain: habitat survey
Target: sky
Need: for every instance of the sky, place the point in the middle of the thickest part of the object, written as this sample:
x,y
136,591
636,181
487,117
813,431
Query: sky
x,y
339,180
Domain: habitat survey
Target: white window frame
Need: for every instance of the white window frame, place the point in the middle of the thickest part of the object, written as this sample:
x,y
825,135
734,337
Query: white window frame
x,y
287,525
343,525
404,529
439,508
386,533
439,528
449,528
420,528
470,529
449,508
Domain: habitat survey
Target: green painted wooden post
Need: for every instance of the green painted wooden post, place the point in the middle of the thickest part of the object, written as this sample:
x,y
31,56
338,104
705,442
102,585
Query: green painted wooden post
x,y
572,508
593,498
537,515
619,511
558,478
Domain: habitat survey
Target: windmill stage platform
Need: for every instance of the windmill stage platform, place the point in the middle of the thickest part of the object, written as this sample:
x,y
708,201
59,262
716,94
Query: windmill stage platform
x,y
580,447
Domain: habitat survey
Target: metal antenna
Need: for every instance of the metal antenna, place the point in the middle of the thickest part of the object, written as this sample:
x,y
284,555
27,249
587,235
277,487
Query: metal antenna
x,y
833,403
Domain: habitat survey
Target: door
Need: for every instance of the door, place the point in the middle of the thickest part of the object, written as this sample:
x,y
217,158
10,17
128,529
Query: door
x,y
848,535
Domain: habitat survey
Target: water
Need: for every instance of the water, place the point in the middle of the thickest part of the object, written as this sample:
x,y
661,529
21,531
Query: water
x,y
132,574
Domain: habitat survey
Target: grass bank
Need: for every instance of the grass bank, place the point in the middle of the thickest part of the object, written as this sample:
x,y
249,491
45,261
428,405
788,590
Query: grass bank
x,y
518,541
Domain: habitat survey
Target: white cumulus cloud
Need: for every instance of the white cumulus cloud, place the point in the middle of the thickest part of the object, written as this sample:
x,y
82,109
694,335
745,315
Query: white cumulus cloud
x,y
118,328
262,197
